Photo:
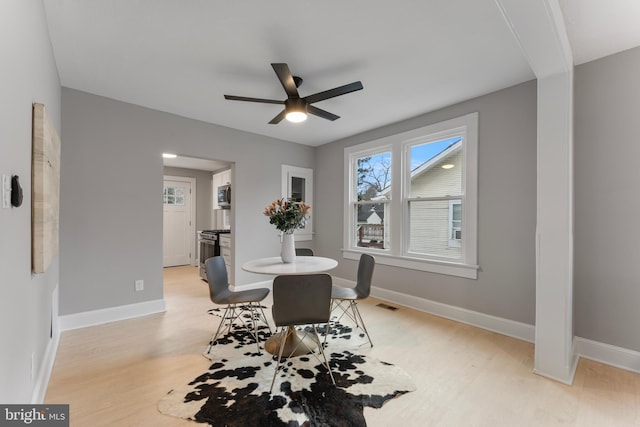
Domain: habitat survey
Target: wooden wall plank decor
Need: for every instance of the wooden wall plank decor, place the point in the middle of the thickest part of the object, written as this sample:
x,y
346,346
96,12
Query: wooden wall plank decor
x,y
45,191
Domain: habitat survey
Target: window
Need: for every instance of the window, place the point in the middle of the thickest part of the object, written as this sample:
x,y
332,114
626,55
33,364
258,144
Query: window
x,y
173,196
435,181
373,179
411,198
455,223
297,183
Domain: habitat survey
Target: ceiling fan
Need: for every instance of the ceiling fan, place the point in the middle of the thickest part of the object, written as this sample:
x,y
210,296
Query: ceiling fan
x,y
295,107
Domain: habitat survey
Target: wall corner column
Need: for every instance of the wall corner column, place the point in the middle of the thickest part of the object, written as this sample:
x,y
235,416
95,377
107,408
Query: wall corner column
x,y
538,28
554,355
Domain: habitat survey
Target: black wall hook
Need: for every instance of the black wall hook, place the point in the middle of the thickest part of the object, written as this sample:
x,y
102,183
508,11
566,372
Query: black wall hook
x,y
16,191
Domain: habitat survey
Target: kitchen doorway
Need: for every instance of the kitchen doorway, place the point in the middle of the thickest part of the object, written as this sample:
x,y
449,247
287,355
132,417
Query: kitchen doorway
x,y
178,230
203,216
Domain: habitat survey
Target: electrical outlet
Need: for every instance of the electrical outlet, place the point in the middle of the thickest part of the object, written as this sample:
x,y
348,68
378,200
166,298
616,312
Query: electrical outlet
x,y
139,285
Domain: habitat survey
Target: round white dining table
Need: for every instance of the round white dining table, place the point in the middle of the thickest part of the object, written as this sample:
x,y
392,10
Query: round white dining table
x,y
302,265
295,345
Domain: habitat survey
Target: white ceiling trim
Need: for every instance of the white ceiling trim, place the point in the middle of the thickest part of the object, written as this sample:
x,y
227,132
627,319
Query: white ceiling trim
x,y
538,27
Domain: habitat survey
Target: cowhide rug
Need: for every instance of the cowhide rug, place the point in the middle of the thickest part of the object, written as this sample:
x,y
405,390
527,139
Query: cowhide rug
x,y
235,389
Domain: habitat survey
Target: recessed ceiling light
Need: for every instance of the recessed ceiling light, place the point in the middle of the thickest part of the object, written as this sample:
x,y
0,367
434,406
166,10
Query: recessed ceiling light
x,y
448,166
169,155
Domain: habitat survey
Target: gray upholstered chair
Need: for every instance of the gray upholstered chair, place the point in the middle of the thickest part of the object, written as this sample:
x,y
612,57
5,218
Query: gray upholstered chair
x,y
301,300
236,302
304,252
346,299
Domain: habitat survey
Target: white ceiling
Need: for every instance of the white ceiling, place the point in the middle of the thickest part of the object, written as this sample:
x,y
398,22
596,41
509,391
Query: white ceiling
x,y
412,56
598,28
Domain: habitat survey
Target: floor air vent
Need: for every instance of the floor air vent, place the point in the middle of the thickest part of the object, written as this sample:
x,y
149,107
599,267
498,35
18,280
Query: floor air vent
x,y
387,306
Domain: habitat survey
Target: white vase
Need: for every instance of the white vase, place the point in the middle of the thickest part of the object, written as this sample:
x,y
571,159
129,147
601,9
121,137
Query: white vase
x,y
288,251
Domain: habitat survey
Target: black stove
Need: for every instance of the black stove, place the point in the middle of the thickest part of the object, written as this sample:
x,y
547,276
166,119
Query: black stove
x,y
209,247
212,234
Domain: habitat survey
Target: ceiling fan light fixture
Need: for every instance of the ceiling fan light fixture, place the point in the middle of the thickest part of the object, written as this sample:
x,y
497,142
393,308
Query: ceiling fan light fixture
x,y
296,116
296,109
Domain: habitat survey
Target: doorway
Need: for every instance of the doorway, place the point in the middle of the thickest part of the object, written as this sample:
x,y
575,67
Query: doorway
x,y
178,230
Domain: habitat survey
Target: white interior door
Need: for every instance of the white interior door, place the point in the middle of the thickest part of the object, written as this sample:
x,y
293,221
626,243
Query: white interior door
x,y
178,222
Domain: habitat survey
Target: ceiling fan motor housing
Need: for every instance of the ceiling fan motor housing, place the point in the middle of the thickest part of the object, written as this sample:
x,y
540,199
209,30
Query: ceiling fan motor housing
x,y
295,104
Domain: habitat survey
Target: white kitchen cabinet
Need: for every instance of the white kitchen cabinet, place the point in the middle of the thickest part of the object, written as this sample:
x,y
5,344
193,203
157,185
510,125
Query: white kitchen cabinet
x,y
225,252
225,177
220,178
215,183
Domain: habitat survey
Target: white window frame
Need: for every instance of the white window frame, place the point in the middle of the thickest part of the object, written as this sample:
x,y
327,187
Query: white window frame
x,y
453,242
396,254
288,173
352,212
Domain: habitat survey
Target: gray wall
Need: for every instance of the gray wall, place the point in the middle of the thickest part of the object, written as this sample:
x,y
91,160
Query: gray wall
x,y
507,209
28,74
607,233
111,212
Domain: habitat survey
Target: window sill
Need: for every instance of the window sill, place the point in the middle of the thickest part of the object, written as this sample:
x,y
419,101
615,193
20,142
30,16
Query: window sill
x,y
467,271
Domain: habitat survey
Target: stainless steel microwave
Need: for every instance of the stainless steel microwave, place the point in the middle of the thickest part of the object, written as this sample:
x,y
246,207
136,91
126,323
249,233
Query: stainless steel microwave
x,y
224,197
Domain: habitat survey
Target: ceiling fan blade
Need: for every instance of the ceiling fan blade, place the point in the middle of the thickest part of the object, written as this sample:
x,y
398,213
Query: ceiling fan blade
x,y
321,113
244,98
286,78
277,119
332,93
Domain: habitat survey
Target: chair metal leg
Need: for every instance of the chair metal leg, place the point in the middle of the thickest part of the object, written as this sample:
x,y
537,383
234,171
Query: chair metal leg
x,y
354,315
324,356
255,317
335,304
327,330
356,311
324,359
255,326
280,350
264,317
232,313
214,337
338,304
256,310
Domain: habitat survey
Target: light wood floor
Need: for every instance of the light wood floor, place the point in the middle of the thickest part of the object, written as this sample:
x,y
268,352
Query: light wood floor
x,y
114,374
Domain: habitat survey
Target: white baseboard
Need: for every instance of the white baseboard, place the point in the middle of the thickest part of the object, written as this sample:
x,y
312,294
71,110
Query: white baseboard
x,y
44,373
565,377
46,367
507,327
608,354
500,325
254,285
111,314
342,282
617,357
604,353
